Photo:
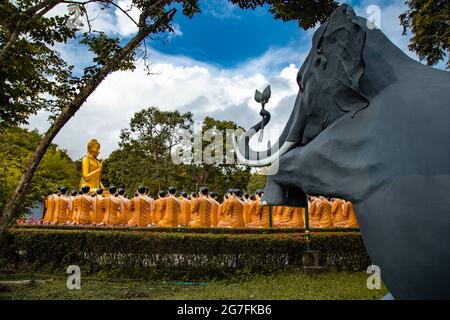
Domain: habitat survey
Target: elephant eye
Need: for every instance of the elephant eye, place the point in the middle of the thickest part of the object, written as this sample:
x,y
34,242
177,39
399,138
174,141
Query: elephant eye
x,y
301,87
319,50
318,61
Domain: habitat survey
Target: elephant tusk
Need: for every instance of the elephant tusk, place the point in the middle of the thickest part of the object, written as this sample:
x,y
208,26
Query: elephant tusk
x,y
261,162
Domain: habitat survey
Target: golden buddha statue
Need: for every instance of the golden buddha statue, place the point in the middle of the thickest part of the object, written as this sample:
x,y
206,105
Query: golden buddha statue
x,y
91,167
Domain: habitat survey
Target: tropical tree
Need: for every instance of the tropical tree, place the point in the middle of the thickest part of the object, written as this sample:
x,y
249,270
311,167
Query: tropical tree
x,y
219,169
55,169
429,22
144,154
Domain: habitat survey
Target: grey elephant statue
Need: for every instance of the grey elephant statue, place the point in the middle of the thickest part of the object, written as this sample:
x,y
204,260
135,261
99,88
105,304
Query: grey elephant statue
x,y
372,126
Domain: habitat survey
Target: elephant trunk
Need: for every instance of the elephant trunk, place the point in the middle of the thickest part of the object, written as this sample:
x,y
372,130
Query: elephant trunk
x,y
250,157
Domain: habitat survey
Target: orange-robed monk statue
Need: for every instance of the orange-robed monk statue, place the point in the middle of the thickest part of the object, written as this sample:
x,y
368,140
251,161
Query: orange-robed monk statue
x,y
91,167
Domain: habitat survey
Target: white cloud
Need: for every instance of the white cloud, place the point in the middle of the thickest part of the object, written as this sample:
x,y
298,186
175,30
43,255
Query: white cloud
x,y
126,26
177,30
220,9
179,83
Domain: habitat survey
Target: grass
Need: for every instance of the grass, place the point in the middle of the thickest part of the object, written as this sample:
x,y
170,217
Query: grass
x,y
282,285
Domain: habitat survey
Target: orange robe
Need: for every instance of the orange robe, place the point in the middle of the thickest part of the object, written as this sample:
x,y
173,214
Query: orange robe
x,y
141,214
160,208
185,214
200,213
260,219
234,217
222,207
49,206
75,207
98,211
323,213
253,211
61,206
349,213
124,212
290,217
214,212
313,217
111,206
278,215
264,216
151,202
277,211
83,204
172,210
70,212
246,212
337,213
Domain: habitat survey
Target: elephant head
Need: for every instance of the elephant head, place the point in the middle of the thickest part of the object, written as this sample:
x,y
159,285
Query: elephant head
x,y
328,88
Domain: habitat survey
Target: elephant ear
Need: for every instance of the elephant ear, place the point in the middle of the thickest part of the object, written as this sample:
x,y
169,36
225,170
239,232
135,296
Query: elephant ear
x,y
339,51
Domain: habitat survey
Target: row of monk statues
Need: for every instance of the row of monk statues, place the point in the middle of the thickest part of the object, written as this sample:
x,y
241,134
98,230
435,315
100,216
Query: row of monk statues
x,y
202,209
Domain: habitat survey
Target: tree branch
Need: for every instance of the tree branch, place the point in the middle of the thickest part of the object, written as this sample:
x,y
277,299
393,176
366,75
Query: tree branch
x,y
10,42
41,5
42,8
104,2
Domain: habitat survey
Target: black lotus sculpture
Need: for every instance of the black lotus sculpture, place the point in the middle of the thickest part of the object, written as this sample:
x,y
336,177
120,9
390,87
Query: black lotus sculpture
x,y
372,126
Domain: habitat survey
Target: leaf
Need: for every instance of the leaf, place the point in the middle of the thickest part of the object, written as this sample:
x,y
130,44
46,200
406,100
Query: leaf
x,y
258,96
266,94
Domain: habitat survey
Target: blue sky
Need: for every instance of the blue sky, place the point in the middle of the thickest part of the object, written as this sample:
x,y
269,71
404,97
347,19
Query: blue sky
x,y
227,36
211,65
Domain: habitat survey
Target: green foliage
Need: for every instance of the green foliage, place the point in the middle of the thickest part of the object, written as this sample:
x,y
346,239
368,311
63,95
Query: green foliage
x,y
216,171
331,246
429,21
144,155
105,49
257,181
55,169
32,69
177,255
190,230
308,13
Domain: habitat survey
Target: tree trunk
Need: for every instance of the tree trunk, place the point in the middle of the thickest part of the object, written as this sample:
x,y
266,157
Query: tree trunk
x,y
9,212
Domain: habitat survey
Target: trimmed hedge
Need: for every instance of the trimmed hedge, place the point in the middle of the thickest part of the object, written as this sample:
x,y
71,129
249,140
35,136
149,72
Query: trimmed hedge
x,y
175,255
187,230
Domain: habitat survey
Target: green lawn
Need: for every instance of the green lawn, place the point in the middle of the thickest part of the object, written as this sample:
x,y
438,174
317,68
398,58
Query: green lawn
x,y
285,285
